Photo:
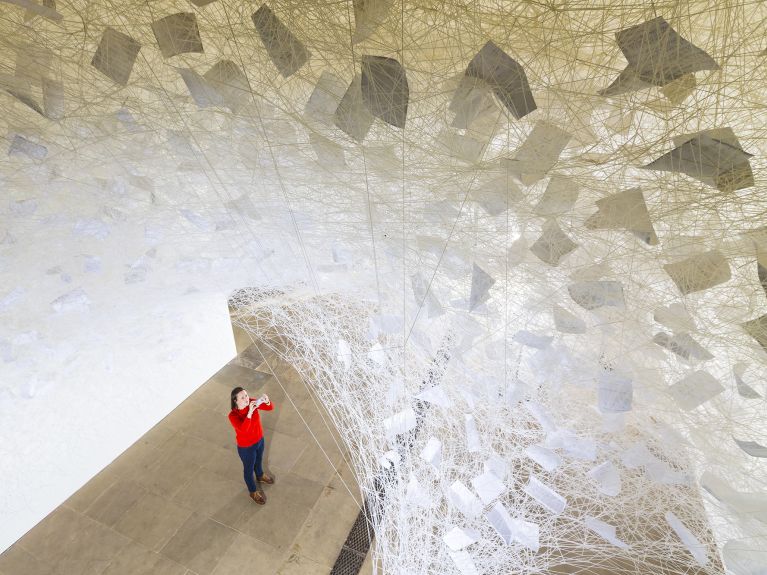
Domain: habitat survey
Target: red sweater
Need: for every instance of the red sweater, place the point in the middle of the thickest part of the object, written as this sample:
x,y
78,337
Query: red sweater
x,y
248,430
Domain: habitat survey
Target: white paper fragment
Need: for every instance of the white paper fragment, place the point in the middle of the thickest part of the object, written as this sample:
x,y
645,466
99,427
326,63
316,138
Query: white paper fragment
x,y
578,447
553,245
390,459
352,116
325,98
753,448
466,502
425,296
614,393
605,531
538,153
488,487
513,530
495,465
676,317
624,210
744,390
699,272
595,294
695,547
432,452
20,146
473,444
416,495
607,477
560,196
567,322
435,395
745,556
695,389
541,416
457,538
545,495
463,562
344,354
683,345
400,422
543,457
230,83
531,339
75,300
377,354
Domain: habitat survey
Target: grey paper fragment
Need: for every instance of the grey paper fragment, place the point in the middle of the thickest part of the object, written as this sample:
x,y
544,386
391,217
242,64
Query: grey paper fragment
x,y
177,34
744,390
753,448
656,56
424,296
385,90
229,82
539,152
553,245
53,99
683,345
699,272
285,50
20,146
615,393
116,55
595,294
714,157
368,16
481,282
352,116
501,73
757,328
567,322
560,196
624,210
204,95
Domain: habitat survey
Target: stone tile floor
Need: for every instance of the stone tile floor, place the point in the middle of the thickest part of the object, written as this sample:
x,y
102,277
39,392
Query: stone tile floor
x,y
174,503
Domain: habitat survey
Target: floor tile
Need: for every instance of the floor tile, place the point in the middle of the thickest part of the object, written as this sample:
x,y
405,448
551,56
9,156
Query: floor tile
x,y
112,504
135,559
275,524
199,544
251,556
152,520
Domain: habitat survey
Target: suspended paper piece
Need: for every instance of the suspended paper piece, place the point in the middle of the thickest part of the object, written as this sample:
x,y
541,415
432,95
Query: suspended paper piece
x,y
116,55
481,282
503,75
390,460
377,355
757,328
20,146
47,9
325,98
230,83
680,89
466,502
713,161
473,444
495,465
21,89
285,50
352,115
344,354
513,530
75,300
695,389
400,423
475,105
744,557
578,447
177,34
329,154
744,390
461,146
415,494
553,244
595,294
532,339
697,549
567,322
424,296
544,495
435,395
368,16
543,457
432,452
752,505
614,393
244,206
538,153
488,487
753,448
699,272
201,3
656,56
463,562
607,478
541,416
624,210
675,317
457,538
560,196
605,531
683,345
384,89
53,99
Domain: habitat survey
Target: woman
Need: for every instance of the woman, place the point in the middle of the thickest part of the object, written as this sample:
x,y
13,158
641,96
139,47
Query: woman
x,y
250,438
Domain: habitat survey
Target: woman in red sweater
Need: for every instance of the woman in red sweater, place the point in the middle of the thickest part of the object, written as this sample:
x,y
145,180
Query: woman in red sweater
x,y
250,438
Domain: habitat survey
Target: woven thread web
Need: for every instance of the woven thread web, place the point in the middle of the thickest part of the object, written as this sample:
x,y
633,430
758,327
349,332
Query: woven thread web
x,y
561,200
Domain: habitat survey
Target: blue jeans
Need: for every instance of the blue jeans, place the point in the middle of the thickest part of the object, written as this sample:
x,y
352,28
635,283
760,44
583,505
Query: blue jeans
x,y
251,461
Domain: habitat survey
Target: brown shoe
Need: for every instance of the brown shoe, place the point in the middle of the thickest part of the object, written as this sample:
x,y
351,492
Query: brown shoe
x,y
266,479
258,497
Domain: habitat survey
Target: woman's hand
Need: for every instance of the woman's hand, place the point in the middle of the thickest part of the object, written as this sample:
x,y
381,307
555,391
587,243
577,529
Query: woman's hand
x,y
265,399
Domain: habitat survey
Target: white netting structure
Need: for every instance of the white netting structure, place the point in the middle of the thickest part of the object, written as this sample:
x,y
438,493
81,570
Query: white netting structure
x,y
530,239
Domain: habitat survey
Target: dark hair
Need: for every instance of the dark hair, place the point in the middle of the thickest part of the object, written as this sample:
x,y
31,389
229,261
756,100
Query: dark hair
x,y
235,391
